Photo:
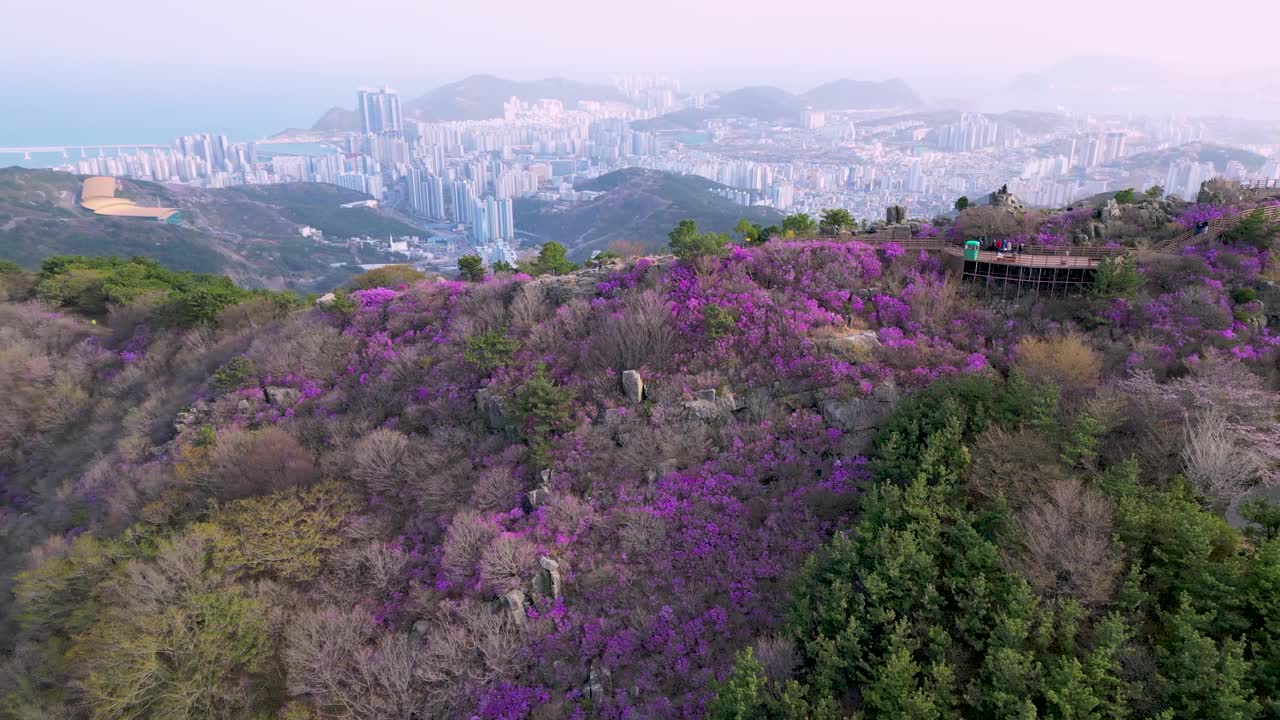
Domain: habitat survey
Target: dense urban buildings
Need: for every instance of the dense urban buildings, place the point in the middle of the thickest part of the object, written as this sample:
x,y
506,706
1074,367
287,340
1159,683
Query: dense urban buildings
x,y
460,178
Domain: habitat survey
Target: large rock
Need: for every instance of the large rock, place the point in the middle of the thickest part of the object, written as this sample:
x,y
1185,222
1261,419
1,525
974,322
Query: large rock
x,y
1269,295
597,683
539,496
633,386
548,583
191,416
708,407
1005,200
860,416
491,408
511,605
282,396
858,343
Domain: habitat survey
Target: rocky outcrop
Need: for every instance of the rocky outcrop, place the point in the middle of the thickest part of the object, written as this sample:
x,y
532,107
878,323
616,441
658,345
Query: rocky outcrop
x,y
895,215
281,396
559,289
1269,295
511,606
539,496
548,583
491,408
597,683
707,406
859,343
633,386
1005,200
193,415
860,416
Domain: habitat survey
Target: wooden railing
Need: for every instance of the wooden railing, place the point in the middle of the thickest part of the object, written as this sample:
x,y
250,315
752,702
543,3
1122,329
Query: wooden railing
x,y
1216,227
1032,255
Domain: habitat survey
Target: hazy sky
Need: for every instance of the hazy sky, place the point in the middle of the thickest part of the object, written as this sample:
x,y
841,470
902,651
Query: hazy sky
x,y
135,70
711,38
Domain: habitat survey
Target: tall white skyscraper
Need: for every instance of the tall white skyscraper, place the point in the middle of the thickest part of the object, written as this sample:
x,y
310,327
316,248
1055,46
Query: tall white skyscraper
x,y
379,110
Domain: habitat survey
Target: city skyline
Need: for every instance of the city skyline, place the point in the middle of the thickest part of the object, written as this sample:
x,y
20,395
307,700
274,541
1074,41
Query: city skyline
x,y
458,180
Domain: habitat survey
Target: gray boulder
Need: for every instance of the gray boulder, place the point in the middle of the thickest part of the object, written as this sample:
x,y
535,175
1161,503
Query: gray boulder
x,y
511,605
860,416
548,583
539,496
707,406
858,342
633,386
282,396
491,408
597,682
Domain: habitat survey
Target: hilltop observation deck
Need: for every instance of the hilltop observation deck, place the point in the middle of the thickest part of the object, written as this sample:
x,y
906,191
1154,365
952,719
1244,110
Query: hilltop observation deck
x,y
1039,269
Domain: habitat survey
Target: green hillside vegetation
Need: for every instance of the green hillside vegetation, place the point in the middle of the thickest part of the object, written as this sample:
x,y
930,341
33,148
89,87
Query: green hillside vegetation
x,y
92,285
248,233
638,206
319,206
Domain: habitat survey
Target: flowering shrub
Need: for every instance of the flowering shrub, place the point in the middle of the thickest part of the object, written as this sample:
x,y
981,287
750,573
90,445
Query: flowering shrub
x,y
1193,215
535,542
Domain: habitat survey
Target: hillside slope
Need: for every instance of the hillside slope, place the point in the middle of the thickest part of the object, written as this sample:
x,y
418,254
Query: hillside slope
x,y
249,233
828,467
639,206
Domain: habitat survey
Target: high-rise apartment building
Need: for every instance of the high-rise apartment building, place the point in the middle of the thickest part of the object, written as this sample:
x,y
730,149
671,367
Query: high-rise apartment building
x,y
379,110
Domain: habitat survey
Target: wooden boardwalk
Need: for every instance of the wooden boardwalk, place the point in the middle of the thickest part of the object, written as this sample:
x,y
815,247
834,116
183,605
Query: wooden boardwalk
x,y
1029,259
1216,227
1039,268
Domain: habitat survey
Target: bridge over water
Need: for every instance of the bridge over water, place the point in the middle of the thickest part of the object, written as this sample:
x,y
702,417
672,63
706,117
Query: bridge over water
x,y
27,151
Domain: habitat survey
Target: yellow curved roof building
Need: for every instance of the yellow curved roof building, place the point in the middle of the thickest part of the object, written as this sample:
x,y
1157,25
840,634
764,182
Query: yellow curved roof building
x,y
99,195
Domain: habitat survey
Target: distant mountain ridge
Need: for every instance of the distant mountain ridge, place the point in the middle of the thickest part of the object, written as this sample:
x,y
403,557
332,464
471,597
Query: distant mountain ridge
x,y
638,206
480,97
847,94
768,103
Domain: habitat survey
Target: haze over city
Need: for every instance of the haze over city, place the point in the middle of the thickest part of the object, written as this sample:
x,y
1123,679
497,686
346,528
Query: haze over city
x,y
244,66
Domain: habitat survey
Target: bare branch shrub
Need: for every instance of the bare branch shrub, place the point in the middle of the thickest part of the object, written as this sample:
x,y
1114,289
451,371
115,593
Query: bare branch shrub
x,y
322,650
569,514
465,647
640,532
1013,465
379,461
244,464
1216,461
508,563
368,568
496,489
779,657
529,307
642,335
464,542
1066,545
1157,413
306,346
934,301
